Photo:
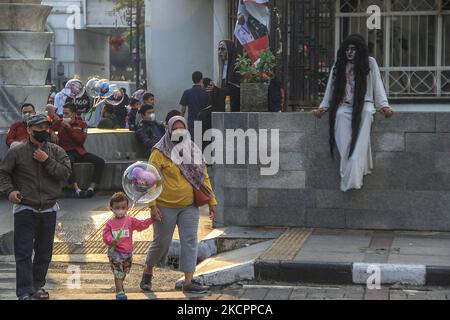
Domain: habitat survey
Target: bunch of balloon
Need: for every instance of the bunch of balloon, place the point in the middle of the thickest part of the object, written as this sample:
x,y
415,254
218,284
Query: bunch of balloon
x,y
100,90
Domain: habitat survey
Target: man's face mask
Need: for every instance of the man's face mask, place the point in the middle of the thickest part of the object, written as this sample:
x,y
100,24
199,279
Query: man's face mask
x,y
67,117
151,117
41,136
26,116
179,135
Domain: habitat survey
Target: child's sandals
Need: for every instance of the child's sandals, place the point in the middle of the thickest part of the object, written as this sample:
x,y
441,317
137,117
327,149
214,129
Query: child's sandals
x,y
121,296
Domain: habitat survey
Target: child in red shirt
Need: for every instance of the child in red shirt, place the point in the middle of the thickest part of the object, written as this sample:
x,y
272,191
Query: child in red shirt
x,y
118,236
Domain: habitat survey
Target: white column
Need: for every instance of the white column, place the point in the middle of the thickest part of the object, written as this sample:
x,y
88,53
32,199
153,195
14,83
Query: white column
x,y
179,41
221,28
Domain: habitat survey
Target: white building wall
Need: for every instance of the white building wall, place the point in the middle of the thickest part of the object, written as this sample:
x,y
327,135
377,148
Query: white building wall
x,y
83,51
92,54
220,30
181,37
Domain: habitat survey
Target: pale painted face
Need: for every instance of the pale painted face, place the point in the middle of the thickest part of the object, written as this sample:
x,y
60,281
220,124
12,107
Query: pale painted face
x,y
223,52
351,52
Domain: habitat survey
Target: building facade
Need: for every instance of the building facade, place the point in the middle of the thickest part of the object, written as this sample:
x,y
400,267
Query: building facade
x,y
80,45
182,37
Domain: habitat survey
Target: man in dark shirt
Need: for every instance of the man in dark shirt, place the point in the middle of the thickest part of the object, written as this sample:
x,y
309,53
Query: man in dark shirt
x,y
120,111
276,95
109,120
195,100
149,131
133,122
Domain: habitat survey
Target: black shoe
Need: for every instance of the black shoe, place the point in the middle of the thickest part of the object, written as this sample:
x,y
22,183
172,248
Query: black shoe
x,y
25,297
81,194
146,282
89,193
41,294
195,288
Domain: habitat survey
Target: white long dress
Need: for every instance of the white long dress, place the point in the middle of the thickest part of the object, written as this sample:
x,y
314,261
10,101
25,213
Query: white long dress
x,y
354,169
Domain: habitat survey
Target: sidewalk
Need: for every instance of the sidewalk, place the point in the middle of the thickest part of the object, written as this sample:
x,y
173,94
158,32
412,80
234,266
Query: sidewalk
x,y
352,256
82,220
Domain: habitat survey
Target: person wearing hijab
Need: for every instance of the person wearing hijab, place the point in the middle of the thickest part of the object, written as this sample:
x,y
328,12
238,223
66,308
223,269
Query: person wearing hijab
x,y
354,92
175,206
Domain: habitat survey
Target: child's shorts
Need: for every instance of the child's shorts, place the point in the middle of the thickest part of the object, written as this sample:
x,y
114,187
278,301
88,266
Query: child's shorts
x,y
120,264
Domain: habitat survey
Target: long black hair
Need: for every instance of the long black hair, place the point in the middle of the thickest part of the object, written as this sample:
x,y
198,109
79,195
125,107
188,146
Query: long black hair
x,y
232,75
362,69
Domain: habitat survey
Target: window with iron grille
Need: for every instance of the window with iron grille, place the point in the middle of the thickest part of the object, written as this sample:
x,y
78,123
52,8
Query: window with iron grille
x,y
412,46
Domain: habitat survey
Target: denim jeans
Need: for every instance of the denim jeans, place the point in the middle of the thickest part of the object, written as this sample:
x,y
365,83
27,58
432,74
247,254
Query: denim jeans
x,y
32,232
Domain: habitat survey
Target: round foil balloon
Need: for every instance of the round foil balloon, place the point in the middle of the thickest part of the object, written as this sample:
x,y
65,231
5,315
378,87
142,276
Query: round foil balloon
x,y
90,88
74,89
139,95
142,182
115,95
102,88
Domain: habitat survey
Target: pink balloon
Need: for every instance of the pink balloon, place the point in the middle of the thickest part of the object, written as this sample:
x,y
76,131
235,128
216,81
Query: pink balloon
x,y
143,180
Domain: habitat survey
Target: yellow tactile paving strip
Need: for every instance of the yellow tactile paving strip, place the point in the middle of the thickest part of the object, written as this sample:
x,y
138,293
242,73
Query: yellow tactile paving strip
x,y
288,245
94,244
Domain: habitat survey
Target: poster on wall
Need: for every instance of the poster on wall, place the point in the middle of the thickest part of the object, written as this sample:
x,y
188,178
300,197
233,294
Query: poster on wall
x,y
252,27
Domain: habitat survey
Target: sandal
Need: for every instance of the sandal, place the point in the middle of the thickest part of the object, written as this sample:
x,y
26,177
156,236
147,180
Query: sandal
x,y
25,297
121,296
41,294
146,282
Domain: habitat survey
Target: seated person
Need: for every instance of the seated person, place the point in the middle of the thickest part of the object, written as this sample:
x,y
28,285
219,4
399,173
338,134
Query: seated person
x,y
135,105
18,133
121,111
149,131
109,120
72,134
50,110
149,98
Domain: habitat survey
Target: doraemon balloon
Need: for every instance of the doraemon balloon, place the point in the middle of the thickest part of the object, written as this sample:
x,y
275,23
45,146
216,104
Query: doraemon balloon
x,y
142,182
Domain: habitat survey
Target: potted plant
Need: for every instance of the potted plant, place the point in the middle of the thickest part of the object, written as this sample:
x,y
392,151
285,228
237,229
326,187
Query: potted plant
x,y
255,80
116,43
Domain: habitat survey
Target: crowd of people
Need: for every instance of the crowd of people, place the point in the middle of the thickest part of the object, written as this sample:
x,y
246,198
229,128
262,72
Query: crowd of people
x,y
43,148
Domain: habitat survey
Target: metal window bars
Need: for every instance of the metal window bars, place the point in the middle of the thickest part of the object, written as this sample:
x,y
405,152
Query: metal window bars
x,y
412,47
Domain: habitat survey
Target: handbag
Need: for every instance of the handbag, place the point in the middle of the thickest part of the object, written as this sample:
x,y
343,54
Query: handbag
x,y
202,196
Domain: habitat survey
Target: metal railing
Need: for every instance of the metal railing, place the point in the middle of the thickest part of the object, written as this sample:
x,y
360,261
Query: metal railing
x,y
412,47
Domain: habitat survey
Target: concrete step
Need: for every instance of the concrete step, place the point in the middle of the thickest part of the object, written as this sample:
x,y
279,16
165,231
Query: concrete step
x,y
229,267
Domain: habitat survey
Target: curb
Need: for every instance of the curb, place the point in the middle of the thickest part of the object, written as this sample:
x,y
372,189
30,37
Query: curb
x,y
336,273
352,273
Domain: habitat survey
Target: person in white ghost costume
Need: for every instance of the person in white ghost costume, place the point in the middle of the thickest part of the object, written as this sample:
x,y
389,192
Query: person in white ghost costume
x,y
354,93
